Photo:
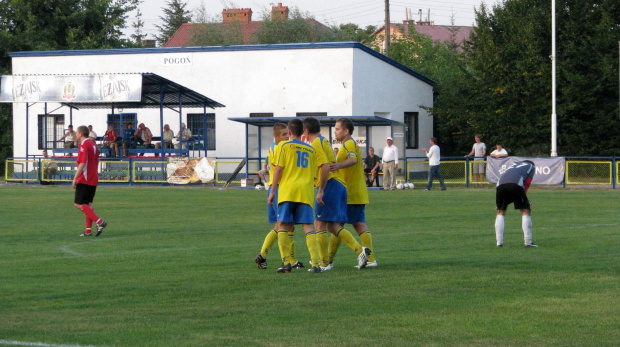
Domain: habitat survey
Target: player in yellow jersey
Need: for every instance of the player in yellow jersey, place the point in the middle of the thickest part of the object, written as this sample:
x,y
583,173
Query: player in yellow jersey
x,y
294,176
280,133
331,201
350,165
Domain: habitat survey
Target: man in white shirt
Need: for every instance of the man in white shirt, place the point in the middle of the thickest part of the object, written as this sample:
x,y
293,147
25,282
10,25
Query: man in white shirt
x,y
183,136
433,155
479,150
390,163
92,135
499,152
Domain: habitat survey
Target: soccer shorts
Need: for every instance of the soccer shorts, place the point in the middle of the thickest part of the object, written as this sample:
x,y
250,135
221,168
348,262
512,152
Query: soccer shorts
x,y
272,210
508,193
334,208
356,214
479,167
84,194
295,212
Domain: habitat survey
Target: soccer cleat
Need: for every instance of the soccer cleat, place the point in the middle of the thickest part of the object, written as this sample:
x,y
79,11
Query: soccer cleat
x,y
427,190
328,267
284,268
261,262
369,264
100,227
528,245
86,234
362,259
298,265
499,245
315,269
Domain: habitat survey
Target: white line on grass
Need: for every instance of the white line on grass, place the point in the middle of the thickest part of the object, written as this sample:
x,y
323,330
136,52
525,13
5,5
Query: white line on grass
x,y
37,344
66,249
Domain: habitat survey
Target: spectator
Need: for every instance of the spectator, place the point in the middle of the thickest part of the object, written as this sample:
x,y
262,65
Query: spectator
x,y
183,136
499,152
50,168
143,136
372,165
128,139
390,163
110,140
167,137
91,134
479,150
433,155
69,138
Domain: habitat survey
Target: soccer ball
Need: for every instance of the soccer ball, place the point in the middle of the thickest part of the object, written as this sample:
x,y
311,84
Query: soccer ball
x,y
409,185
400,186
259,187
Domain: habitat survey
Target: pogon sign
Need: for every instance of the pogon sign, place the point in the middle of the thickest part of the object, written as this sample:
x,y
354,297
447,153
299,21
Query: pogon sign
x,y
177,59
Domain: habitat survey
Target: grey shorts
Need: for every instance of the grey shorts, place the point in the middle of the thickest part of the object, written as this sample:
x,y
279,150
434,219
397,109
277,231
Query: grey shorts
x,y
479,167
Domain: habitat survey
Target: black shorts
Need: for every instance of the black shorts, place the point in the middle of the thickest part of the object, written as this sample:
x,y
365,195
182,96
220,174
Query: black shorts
x,y
506,194
84,194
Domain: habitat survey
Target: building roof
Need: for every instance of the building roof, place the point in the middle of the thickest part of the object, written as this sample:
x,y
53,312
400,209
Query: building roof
x,y
184,35
441,33
285,46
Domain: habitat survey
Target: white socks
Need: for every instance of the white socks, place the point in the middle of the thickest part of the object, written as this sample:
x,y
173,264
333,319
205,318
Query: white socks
x,y
526,223
499,229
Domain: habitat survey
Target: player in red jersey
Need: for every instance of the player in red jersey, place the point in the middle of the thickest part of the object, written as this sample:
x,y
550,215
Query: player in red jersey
x,y
86,180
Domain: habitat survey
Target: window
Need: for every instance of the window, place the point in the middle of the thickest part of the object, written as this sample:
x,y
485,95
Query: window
x,y
124,119
311,114
411,130
51,127
203,128
261,114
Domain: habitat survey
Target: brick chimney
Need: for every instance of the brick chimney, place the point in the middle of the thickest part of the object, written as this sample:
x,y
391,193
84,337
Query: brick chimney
x,y
279,12
243,15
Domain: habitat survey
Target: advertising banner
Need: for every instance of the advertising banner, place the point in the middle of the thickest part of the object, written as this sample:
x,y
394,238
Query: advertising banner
x,y
548,170
66,88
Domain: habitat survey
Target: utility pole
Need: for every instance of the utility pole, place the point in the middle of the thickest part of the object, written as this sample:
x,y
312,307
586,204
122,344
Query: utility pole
x,y
386,48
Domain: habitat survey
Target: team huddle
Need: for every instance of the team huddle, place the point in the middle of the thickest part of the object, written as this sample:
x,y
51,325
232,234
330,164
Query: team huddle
x,y
296,168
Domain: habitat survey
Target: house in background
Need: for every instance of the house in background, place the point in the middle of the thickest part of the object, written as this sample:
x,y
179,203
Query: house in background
x,y
440,33
241,17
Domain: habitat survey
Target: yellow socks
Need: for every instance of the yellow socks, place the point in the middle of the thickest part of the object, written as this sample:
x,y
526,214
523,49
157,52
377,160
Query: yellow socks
x,y
291,237
270,239
323,239
350,241
313,247
367,242
334,244
284,244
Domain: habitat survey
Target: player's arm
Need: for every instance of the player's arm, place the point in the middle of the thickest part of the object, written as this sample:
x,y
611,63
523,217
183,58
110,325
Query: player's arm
x,y
343,165
324,173
526,183
277,174
78,172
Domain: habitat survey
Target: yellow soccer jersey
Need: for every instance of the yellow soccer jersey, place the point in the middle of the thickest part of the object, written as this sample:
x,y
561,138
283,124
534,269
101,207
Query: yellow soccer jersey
x,y
298,162
324,155
357,192
271,158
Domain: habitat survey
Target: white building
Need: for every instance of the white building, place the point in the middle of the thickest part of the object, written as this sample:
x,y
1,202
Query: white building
x,y
288,80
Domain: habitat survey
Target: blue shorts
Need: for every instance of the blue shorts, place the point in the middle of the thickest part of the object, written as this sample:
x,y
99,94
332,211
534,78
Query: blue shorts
x,y
272,210
295,212
335,207
356,214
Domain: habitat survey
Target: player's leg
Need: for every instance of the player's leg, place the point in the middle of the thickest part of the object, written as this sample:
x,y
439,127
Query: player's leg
x,y
322,237
499,227
526,224
440,177
431,173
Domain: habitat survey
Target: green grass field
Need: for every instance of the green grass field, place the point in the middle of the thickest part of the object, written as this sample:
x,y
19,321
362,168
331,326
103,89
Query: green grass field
x,y
175,267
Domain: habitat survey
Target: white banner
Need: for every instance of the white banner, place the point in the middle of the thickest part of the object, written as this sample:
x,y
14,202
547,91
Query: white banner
x,y
65,88
548,170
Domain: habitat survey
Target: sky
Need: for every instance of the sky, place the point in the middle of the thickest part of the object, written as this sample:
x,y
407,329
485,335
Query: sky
x,y
361,12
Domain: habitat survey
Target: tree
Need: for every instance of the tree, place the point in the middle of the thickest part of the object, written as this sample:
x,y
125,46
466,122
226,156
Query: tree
x,y
352,32
174,16
35,25
298,27
138,26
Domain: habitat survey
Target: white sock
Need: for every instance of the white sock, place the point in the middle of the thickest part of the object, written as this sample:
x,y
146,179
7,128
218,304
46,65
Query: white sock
x,y
526,223
499,229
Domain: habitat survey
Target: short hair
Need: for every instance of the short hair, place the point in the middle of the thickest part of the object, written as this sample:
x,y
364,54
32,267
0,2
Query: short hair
x,y
83,129
434,139
312,125
369,148
296,127
478,136
498,144
70,126
346,123
278,127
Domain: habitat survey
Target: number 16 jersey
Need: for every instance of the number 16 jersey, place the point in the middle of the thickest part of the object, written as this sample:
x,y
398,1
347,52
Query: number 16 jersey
x,y
298,162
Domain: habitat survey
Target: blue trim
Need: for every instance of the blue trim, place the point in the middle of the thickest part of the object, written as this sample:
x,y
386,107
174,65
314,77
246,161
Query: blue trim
x,y
274,47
